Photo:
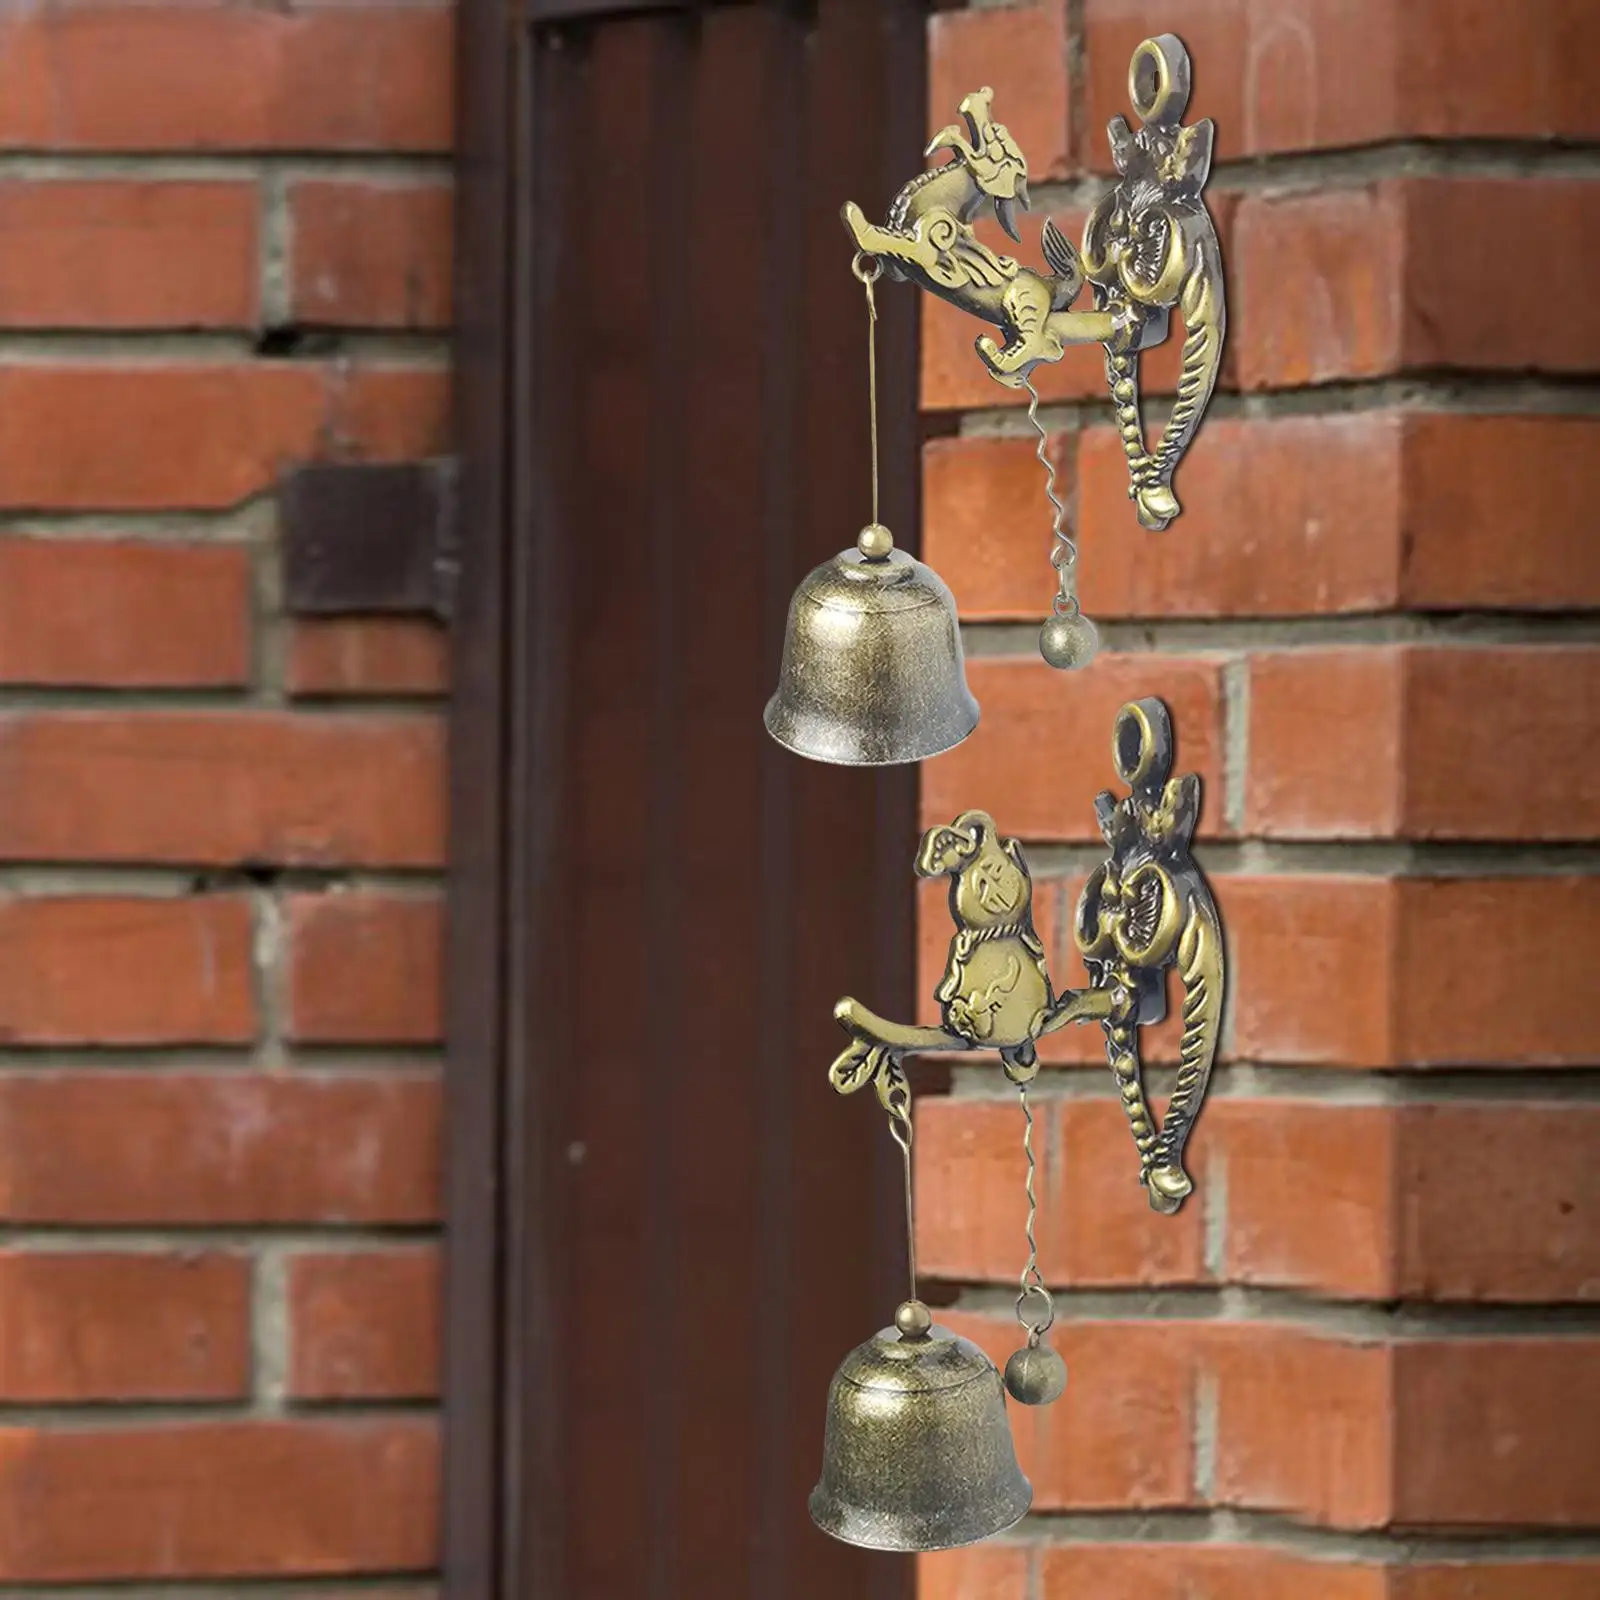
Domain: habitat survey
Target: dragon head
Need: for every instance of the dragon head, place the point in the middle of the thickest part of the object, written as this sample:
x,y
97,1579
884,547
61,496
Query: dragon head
x,y
990,154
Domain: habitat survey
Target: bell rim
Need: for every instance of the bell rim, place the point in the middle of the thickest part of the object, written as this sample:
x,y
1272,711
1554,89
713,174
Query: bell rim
x,y
836,1527
773,713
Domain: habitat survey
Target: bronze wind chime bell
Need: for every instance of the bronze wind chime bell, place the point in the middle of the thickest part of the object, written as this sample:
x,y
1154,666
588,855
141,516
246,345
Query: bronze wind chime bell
x,y
917,1452
872,670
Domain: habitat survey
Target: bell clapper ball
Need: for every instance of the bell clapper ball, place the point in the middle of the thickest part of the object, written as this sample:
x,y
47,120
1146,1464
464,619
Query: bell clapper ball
x,y
1068,642
1036,1375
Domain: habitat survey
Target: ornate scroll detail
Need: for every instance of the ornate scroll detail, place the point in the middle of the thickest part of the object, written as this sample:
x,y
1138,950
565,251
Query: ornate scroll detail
x,y
1149,245
1147,908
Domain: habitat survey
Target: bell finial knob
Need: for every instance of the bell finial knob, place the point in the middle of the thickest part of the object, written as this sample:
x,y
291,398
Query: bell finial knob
x,y
875,542
913,1319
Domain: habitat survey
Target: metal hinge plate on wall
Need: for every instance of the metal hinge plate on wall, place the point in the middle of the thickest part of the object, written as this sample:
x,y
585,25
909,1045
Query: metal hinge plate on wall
x,y
361,539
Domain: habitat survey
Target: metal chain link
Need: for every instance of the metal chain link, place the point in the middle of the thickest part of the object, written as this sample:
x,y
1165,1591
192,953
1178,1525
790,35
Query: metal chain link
x,y
1064,550
1032,1281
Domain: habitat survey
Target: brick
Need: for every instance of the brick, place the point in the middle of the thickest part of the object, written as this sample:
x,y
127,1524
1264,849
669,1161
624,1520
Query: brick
x,y
104,1325
222,788
1509,1580
1427,1202
1021,54
1370,972
218,1499
364,968
953,378
86,254
1496,509
1095,1228
367,656
1202,1572
1366,282
1496,971
1302,1424
1043,748
1311,974
1291,517
90,1148
370,255
1423,743
1303,1194
1123,1435
110,970
100,613
978,1572
1328,74
986,522
364,1326
1485,1434
1498,1202
195,78
1330,745
79,437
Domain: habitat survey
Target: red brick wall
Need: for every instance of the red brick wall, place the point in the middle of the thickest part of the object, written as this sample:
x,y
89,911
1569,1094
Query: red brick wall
x,y
1375,625
224,237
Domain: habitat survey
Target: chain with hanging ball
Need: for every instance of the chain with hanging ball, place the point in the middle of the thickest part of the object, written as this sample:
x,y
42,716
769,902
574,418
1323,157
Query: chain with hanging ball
x,y
1149,249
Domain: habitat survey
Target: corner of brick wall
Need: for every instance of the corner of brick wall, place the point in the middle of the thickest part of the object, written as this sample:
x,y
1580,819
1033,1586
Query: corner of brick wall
x,y
225,252
1354,1366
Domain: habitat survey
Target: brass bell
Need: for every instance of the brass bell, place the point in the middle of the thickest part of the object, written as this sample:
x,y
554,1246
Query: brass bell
x,y
917,1453
872,671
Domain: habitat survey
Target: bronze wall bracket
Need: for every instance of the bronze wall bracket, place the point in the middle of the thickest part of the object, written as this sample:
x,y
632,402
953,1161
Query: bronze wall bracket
x,y
1145,909
1149,246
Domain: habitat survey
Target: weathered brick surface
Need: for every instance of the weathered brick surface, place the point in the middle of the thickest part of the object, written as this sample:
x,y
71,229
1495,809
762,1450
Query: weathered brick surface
x,y
208,213
119,1148
77,437
1327,74
364,968
1398,824
1369,281
106,970
167,77
122,1326
221,787
99,254
101,613
370,256
337,656
1423,743
1030,762
364,1326
265,1498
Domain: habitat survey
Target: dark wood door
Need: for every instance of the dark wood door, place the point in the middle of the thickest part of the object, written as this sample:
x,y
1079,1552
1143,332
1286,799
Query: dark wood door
x,y
665,1228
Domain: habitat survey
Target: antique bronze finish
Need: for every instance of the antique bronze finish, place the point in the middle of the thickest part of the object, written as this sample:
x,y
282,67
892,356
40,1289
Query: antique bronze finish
x,y
873,672
1149,245
917,1454
887,1476
1145,909
914,1455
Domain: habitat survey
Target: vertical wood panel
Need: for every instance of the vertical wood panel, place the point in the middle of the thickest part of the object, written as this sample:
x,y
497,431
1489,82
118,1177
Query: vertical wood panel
x,y
694,1227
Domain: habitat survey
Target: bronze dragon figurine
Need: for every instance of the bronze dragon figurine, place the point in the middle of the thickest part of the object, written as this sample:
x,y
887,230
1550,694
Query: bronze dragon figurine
x,y
1144,910
1149,245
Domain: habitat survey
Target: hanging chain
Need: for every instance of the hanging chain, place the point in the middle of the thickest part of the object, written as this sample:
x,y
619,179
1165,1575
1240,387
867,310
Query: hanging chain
x,y
1032,1281
866,268
1063,552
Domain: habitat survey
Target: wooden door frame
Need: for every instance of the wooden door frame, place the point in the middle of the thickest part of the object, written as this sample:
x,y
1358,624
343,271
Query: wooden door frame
x,y
498,1307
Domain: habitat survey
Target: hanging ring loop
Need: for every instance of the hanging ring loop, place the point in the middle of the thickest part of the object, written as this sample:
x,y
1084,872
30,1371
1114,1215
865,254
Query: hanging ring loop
x,y
867,268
